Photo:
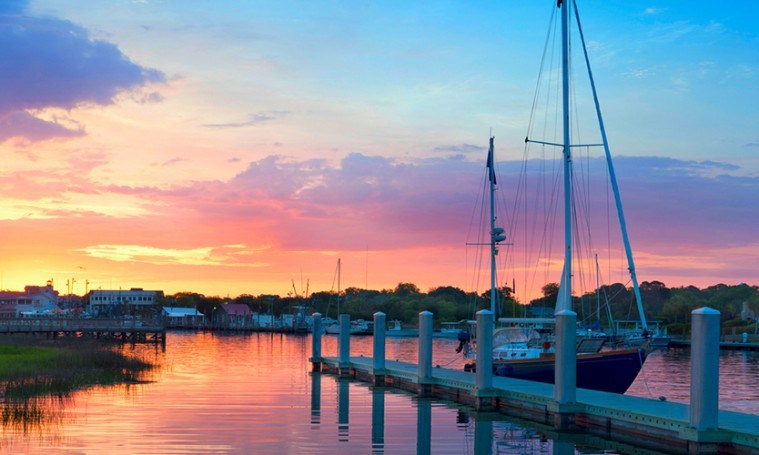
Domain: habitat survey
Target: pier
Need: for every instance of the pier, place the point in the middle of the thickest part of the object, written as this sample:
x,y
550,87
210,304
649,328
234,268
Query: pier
x,y
123,330
651,424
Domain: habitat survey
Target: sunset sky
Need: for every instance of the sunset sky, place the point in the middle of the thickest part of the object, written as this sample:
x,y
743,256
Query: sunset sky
x,y
230,147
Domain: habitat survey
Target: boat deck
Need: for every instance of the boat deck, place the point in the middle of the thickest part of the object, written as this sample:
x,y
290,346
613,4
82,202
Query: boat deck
x,y
659,425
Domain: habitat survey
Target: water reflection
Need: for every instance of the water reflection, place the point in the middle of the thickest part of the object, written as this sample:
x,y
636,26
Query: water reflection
x,y
316,398
34,415
423,425
483,436
256,394
378,420
343,406
478,433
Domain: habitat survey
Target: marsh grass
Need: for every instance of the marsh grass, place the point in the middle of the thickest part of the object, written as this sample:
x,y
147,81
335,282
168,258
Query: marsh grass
x,y
31,367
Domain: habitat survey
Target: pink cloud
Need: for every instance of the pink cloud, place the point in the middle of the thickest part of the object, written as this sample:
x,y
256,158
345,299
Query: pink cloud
x,y
682,216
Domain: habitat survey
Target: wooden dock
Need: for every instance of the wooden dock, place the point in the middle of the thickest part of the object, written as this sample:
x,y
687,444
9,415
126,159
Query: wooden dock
x,y
652,424
123,330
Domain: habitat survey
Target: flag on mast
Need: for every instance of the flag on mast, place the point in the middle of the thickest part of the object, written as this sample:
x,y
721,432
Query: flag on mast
x,y
491,168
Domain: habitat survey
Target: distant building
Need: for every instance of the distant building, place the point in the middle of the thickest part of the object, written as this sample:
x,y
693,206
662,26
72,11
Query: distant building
x,y
182,317
116,302
33,300
234,314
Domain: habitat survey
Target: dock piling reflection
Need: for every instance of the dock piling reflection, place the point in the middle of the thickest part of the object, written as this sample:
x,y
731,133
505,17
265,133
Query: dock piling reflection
x,y
483,436
316,398
423,426
378,420
343,409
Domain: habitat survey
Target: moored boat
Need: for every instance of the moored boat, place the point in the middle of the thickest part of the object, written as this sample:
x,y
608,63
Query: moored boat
x,y
533,358
395,329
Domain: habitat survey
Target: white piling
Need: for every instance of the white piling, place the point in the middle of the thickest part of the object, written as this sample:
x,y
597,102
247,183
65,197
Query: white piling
x,y
379,342
484,362
565,380
704,369
316,342
345,339
425,346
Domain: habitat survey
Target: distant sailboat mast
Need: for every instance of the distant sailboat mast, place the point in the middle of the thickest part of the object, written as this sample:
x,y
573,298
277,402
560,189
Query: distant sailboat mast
x,y
338,287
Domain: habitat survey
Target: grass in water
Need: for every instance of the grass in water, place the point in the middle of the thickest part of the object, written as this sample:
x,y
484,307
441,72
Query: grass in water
x,y
32,367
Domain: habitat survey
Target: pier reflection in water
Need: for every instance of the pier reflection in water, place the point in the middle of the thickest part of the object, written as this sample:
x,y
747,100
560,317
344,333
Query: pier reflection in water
x,y
256,394
475,433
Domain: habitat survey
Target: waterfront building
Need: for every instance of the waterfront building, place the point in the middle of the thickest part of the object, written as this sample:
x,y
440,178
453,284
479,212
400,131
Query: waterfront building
x,y
119,302
33,300
234,315
182,317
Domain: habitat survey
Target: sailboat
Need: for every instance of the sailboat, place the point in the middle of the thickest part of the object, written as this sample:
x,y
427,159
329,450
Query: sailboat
x,y
521,353
357,327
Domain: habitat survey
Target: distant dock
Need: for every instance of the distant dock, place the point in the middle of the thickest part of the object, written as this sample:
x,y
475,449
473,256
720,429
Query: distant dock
x,y
727,345
123,330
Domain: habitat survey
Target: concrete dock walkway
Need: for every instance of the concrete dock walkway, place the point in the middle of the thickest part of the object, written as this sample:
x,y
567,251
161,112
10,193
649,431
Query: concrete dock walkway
x,y
658,425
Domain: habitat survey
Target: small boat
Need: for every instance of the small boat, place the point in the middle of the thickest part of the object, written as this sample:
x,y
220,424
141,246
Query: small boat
x,y
396,330
450,330
357,327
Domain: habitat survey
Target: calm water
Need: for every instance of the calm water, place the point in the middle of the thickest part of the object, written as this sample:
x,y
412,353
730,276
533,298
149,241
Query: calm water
x,y
255,394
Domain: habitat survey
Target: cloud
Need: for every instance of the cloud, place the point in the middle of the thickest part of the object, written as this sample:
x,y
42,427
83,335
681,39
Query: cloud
x,y
53,63
462,148
674,208
640,73
652,11
255,119
751,144
173,161
225,255
24,125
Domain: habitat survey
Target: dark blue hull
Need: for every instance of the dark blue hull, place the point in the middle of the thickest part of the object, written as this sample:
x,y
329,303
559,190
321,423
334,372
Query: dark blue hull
x,y
608,371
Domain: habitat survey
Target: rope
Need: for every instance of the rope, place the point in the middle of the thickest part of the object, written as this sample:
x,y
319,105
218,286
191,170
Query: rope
x,y
645,380
454,359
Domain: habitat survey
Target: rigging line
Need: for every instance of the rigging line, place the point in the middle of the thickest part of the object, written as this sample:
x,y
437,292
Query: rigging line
x,y
540,71
645,379
479,257
613,180
334,278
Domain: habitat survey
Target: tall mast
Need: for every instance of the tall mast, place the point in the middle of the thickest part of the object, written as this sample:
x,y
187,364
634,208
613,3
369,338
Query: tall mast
x,y
496,233
566,298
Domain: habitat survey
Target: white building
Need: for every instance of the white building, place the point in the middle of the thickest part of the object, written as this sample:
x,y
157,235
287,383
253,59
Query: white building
x,y
34,300
121,301
182,317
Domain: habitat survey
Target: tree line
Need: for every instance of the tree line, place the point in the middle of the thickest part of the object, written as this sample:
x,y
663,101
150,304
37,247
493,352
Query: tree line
x,y
671,306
